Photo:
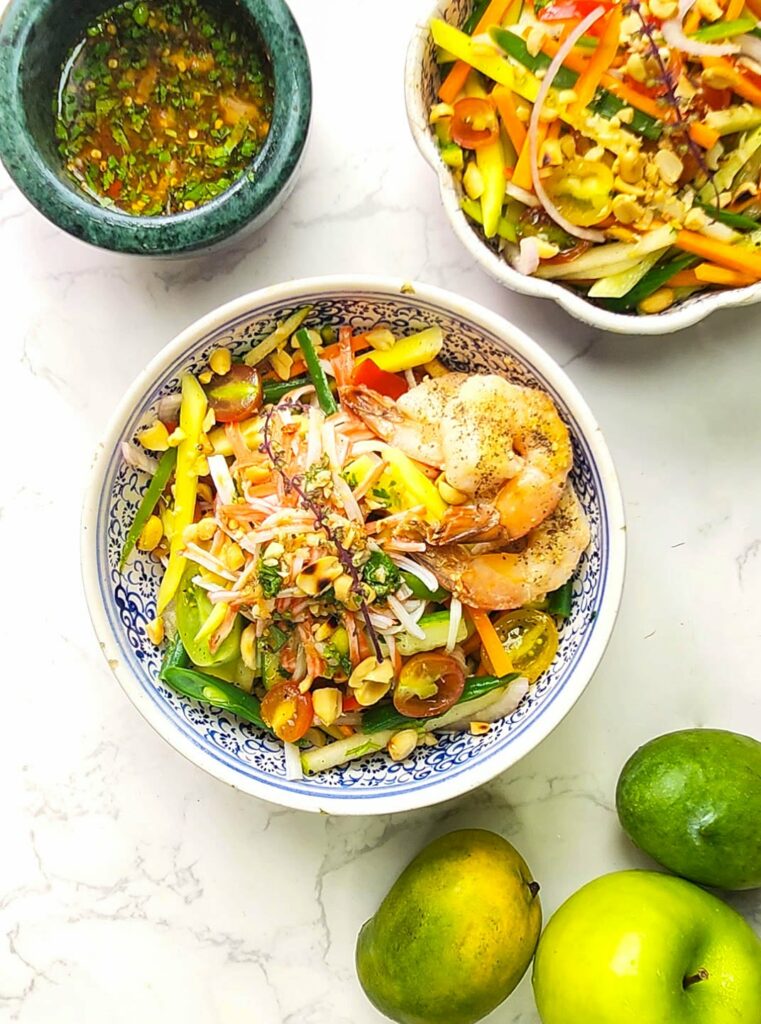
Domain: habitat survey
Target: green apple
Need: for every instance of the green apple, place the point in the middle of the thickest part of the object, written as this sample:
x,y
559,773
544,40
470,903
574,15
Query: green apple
x,y
637,947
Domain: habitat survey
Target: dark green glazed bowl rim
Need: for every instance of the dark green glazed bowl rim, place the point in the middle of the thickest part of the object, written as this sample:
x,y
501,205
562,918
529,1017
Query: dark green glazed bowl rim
x,y
245,201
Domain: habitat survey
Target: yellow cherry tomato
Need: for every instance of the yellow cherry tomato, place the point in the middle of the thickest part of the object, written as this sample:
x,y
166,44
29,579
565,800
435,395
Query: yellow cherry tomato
x,y
530,638
582,190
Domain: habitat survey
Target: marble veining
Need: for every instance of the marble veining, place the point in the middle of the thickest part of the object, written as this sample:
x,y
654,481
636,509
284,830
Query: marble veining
x,y
135,887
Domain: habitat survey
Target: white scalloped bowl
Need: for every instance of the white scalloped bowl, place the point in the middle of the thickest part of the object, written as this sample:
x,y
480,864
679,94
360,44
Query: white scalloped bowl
x,y
421,81
121,603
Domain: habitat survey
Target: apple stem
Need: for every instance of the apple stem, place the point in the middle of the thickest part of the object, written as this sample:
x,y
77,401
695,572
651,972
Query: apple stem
x,y
533,888
693,979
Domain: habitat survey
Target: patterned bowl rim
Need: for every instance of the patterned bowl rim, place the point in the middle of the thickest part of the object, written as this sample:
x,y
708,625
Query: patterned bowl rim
x,y
689,312
547,718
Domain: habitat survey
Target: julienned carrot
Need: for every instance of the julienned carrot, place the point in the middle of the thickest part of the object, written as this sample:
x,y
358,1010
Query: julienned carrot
x,y
455,80
522,173
734,257
734,10
683,279
701,134
710,273
498,656
579,63
358,343
588,81
704,136
754,6
514,127
739,83
692,21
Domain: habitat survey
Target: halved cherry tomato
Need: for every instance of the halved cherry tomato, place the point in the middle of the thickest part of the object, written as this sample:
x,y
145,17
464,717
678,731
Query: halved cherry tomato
x,y
474,122
428,685
706,99
582,190
287,711
385,383
573,10
530,637
236,395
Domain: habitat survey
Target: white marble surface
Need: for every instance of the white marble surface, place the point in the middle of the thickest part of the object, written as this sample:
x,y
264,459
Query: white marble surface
x,y
133,886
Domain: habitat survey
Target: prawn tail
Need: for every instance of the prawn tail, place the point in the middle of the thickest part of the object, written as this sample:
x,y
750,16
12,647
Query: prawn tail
x,y
377,411
466,523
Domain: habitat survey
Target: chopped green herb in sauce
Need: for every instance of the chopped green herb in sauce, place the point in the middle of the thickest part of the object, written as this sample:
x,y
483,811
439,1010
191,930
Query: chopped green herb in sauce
x,y
162,106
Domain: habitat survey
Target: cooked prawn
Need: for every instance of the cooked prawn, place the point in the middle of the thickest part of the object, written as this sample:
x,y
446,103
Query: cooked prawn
x,y
538,563
501,445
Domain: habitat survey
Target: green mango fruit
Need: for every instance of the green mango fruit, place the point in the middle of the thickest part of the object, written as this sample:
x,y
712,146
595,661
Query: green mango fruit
x,y
692,801
455,934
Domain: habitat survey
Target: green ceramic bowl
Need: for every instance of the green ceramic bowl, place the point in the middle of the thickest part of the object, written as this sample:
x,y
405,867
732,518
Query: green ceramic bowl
x,y
36,36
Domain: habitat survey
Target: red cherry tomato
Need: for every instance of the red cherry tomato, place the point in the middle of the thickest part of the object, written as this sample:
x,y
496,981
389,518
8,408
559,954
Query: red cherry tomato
x,y
474,122
385,383
287,711
428,685
573,10
706,99
237,395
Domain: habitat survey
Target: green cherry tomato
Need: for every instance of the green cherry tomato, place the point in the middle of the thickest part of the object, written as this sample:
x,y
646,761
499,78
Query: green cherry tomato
x,y
530,638
582,190
193,609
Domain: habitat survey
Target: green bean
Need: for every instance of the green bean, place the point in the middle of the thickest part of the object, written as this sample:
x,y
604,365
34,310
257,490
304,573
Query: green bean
x,y
516,48
316,373
651,282
724,30
559,601
210,690
175,657
385,716
148,503
274,390
733,220
604,102
421,591
469,26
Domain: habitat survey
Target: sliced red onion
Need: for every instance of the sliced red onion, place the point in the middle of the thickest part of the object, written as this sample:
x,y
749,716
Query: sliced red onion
x,y
673,33
168,409
135,456
750,46
521,194
527,260
533,128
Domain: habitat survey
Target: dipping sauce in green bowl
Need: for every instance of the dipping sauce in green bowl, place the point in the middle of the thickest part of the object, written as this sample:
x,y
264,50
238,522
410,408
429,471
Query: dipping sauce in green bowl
x,y
162,105
156,127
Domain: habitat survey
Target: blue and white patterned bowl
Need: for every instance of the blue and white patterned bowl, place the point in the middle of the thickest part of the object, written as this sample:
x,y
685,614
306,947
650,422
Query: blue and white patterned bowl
x,y
122,602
